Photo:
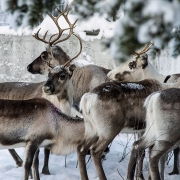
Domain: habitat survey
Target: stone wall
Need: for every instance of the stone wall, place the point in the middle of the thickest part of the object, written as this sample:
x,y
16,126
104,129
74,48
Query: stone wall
x,y
17,52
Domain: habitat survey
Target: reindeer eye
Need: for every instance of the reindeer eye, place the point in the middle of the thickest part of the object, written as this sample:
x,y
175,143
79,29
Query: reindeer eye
x,y
62,77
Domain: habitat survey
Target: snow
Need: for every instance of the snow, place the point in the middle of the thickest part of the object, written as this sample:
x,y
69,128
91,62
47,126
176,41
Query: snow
x,y
112,164
10,31
133,86
166,10
106,7
4,5
22,84
82,62
96,22
176,13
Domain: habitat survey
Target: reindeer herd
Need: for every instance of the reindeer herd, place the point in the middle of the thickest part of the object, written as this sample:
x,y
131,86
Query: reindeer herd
x,y
131,98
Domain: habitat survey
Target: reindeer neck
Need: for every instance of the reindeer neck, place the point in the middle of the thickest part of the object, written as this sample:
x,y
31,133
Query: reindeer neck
x,y
66,101
62,101
62,59
67,94
52,98
151,72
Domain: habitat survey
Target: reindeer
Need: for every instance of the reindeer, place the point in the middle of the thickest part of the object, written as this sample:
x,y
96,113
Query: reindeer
x,y
162,114
84,78
23,91
63,100
37,123
141,69
25,119
109,109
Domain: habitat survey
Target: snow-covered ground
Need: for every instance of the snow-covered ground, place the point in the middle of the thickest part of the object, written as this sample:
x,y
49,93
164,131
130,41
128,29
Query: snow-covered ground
x,y
68,170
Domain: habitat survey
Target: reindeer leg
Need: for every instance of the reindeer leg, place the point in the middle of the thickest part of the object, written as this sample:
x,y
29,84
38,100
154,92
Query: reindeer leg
x,y
81,162
159,148
16,157
96,153
176,161
35,166
149,174
137,151
161,165
31,148
139,171
82,150
97,161
97,156
45,169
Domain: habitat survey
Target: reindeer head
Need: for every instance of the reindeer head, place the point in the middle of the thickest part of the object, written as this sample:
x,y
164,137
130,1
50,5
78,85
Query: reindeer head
x,y
141,58
45,62
54,55
122,72
140,62
131,70
58,80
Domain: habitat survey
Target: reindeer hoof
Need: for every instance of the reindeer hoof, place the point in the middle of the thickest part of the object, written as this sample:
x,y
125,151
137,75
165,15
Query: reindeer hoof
x,y
174,172
45,171
19,164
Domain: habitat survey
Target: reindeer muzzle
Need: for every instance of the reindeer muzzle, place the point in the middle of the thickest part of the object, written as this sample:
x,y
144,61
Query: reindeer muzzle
x,y
33,70
48,89
29,68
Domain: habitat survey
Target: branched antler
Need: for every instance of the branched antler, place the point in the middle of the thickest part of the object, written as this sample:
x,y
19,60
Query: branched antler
x,y
147,47
60,30
68,62
71,26
57,40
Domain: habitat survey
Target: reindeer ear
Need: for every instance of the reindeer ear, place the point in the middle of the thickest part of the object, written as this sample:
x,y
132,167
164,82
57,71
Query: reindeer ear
x,y
44,55
71,68
144,59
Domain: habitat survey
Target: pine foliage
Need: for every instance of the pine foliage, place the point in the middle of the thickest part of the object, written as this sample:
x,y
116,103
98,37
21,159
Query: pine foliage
x,y
140,22
28,12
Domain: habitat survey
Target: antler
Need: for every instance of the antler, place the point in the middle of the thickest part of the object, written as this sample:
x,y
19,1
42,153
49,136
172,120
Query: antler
x,y
64,65
147,47
56,40
70,25
68,62
60,31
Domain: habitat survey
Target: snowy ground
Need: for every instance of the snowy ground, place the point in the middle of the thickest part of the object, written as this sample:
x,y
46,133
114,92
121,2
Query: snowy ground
x,y
114,169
